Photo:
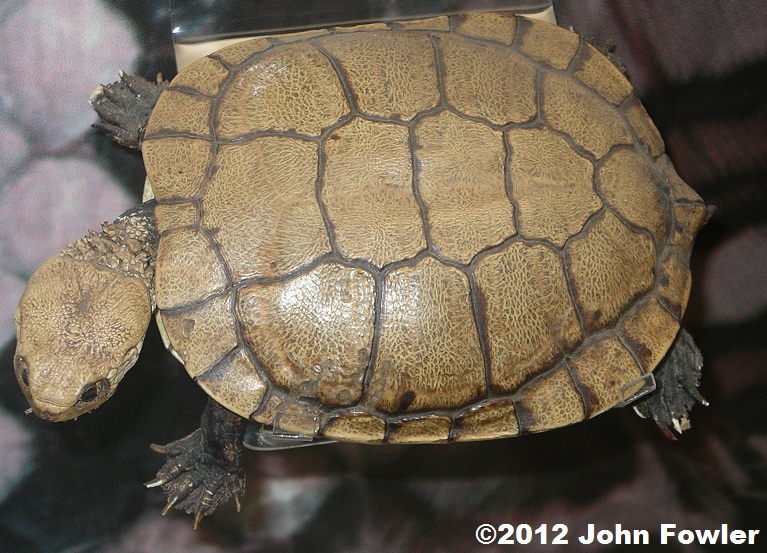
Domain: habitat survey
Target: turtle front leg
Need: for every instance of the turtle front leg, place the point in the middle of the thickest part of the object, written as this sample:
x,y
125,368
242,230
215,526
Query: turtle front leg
x,y
677,378
124,107
204,469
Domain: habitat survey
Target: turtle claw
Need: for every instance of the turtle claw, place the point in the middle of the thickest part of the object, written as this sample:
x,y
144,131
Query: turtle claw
x,y
197,519
124,107
154,483
193,481
171,503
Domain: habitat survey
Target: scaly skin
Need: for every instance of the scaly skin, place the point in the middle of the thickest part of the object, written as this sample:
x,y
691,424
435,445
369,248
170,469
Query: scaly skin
x,y
204,469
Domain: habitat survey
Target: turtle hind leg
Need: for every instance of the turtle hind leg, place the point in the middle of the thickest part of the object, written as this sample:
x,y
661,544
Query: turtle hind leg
x,y
204,469
124,107
677,378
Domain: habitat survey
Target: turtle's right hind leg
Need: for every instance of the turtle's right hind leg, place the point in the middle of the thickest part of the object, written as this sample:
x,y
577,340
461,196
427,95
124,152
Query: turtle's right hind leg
x,y
124,107
677,377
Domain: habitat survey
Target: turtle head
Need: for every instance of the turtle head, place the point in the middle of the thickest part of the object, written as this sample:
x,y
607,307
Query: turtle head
x,y
79,327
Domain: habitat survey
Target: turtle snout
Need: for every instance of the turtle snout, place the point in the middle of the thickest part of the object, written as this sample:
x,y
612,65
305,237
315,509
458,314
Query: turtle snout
x,y
43,407
50,411
44,414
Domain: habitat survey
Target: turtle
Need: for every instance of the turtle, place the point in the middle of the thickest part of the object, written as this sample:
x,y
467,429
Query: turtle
x,y
456,228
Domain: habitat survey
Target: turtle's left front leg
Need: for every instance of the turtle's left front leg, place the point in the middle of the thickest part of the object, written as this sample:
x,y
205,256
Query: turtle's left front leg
x,y
204,469
124,107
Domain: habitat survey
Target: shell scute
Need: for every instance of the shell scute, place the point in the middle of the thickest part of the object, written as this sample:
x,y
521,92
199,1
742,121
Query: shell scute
x,y
429,355
592,123
498,27
291,88
550,402
529,316
367,191
611,267
492,420
310,330
391,74
487,81
635,190
267,183
469,180
195,330
551,184
599,73
548,44
602,370
179,112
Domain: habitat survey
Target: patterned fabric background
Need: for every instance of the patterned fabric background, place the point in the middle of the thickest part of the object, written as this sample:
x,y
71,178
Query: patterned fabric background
x,y
701,70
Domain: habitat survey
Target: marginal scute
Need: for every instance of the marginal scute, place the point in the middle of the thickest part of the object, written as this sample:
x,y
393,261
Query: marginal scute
x,y
429,429
300,36
488,81
367,190
631,186
602,369
468,181
680,190
674,280
547,43
235,384
689,219
295,415
429,355
611,266
392,74
650,347
496,419
550,402
356,427
289,88
551,184
187,270
591,122
267,410
498,27
241,51
440,23
180,113
529,317
313,332
598,72
261,203
177,166
362,27
202,335
205,76
644,128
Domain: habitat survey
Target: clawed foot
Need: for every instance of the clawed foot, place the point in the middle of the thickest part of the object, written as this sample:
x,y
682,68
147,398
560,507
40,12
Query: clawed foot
x,y
124,107
677,378
193,481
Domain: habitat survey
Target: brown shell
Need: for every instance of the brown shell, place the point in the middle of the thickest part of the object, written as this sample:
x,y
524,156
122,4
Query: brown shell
x,y
450,229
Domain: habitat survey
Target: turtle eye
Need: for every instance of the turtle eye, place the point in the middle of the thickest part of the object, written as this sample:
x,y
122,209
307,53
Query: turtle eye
x,y
93,390
22,369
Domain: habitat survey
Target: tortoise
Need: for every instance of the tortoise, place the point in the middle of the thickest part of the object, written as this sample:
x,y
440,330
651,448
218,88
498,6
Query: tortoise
x,y
457,228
